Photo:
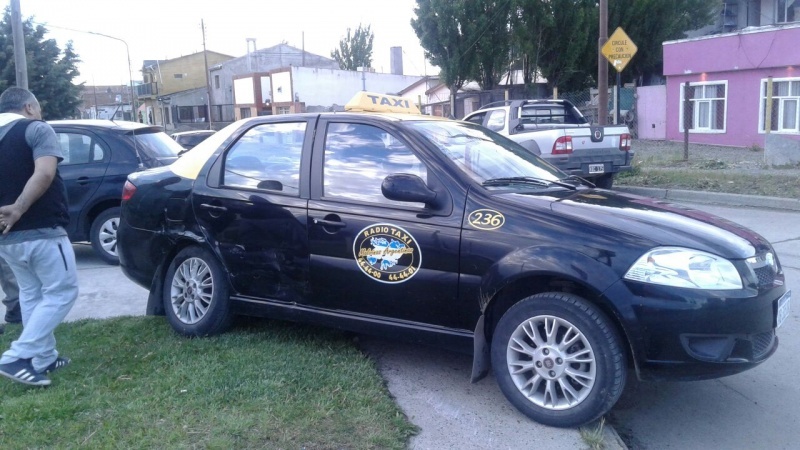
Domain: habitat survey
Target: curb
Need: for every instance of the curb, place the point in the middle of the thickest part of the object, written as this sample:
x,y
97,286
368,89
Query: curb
x,y
716,198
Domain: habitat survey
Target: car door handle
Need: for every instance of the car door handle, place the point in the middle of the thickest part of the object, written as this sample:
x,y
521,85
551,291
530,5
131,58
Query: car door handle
x,y
83,180
330,223
213,207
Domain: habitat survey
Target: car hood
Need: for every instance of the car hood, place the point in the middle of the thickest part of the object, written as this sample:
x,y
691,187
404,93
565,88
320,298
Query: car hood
x,y
663,223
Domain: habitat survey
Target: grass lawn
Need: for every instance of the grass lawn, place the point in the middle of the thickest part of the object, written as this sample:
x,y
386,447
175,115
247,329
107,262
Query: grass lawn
x,y
713,169
133,383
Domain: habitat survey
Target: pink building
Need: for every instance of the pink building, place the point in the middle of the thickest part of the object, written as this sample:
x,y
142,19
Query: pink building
x,y
728,76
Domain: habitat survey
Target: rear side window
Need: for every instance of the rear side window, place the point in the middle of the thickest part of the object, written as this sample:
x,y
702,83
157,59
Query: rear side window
x,y
267,157
497,120
79,149
157,145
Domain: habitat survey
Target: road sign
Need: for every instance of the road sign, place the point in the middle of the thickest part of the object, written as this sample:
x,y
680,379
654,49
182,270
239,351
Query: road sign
x,y
619,49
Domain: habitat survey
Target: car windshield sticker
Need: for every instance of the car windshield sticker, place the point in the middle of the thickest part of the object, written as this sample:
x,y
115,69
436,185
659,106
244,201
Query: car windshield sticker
x,y
387,253
486,219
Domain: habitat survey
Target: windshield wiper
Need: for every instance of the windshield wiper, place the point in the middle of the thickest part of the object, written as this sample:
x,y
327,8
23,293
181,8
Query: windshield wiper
x,y
579,180
504,181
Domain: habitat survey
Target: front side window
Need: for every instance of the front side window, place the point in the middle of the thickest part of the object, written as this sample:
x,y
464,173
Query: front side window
x,y
357,159
79,149
784,112
704,107
267,157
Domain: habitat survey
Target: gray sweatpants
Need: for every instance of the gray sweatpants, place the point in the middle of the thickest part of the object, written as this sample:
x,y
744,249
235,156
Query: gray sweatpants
x,y
48,287
8,283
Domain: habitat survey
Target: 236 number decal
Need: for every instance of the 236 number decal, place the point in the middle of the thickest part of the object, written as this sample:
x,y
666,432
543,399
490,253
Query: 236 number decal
x,y
486,219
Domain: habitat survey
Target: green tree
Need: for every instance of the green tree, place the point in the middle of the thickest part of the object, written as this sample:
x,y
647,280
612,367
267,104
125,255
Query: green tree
x,y
490,20
447,38
555,37
50,71
355,51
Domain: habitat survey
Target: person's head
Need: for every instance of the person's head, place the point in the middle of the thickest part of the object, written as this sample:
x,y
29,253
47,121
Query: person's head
x,y
20,101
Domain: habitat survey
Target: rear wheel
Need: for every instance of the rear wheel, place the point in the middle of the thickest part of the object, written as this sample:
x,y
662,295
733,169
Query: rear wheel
x,y
196,294
558,360
103,235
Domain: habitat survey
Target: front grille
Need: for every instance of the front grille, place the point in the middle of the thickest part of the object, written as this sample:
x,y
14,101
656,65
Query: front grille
x,y
762,342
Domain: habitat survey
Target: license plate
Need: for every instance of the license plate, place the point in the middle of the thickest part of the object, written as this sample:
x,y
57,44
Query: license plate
x,y
784,303
597,168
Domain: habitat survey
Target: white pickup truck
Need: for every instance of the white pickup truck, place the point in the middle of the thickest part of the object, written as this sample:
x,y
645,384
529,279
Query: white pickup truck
x,y
558,132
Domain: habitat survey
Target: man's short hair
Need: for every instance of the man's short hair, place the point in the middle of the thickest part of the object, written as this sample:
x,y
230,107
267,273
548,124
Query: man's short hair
x,y
15,98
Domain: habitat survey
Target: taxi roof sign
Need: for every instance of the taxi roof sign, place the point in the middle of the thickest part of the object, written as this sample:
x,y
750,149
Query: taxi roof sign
x,y
381,103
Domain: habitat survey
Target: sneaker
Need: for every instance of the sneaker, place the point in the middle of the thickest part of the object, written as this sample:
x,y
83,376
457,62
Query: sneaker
x,y
22,371
59,363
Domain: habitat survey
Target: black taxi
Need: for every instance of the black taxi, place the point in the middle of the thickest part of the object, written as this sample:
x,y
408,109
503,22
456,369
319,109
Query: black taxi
x,y
442,232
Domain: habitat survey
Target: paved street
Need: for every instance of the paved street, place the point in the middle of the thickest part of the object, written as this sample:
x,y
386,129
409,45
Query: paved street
x,y
754,409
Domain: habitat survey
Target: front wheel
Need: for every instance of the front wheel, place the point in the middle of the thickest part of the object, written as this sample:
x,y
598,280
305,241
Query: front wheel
x,y
196,294
557,359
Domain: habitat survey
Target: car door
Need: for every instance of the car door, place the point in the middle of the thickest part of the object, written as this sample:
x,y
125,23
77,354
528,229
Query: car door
x,y
83,168
371,256
253,210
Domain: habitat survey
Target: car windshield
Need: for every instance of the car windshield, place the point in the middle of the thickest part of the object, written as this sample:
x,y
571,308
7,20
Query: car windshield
x,y
158,145
487,157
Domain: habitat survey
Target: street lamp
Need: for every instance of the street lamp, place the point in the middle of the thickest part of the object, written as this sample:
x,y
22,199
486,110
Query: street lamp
x,y
130,74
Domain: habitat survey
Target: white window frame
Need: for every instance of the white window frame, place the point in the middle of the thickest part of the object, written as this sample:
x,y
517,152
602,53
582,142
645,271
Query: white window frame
x,y
696,105
785,11
794,95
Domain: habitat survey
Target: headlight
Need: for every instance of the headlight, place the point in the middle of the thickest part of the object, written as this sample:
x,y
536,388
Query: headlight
x,y
683,267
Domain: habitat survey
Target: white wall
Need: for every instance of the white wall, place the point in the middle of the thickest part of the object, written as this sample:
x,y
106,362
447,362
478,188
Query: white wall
x,y
327,87
243,91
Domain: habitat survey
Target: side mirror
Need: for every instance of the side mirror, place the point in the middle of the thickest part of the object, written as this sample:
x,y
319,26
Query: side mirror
x,y
403,187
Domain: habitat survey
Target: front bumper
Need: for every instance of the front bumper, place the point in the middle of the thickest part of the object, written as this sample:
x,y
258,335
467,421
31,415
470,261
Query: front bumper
x,y
685,334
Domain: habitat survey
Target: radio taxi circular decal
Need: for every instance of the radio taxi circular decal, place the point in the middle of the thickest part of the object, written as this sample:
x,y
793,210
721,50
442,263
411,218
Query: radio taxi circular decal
x,y
486,219
387,253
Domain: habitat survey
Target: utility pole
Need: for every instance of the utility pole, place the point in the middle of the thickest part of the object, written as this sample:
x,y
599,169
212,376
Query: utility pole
x,y
20,62
208,78
602,67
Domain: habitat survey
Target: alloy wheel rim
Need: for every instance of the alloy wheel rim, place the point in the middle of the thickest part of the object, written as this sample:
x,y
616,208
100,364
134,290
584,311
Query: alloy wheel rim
x,y
192,290
108,235
551,362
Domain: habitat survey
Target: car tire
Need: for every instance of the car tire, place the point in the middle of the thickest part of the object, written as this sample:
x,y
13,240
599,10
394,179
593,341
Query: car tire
x,y
103,235
196,294
533,370
604,181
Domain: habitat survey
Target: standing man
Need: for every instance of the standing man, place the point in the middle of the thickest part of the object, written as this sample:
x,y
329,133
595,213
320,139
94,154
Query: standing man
x,y
33,213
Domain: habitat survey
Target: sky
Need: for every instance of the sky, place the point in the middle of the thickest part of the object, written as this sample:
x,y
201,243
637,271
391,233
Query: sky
x,y
167,29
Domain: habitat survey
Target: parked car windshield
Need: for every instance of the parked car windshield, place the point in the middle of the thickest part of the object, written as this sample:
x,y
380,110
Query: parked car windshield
x,y
483,154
